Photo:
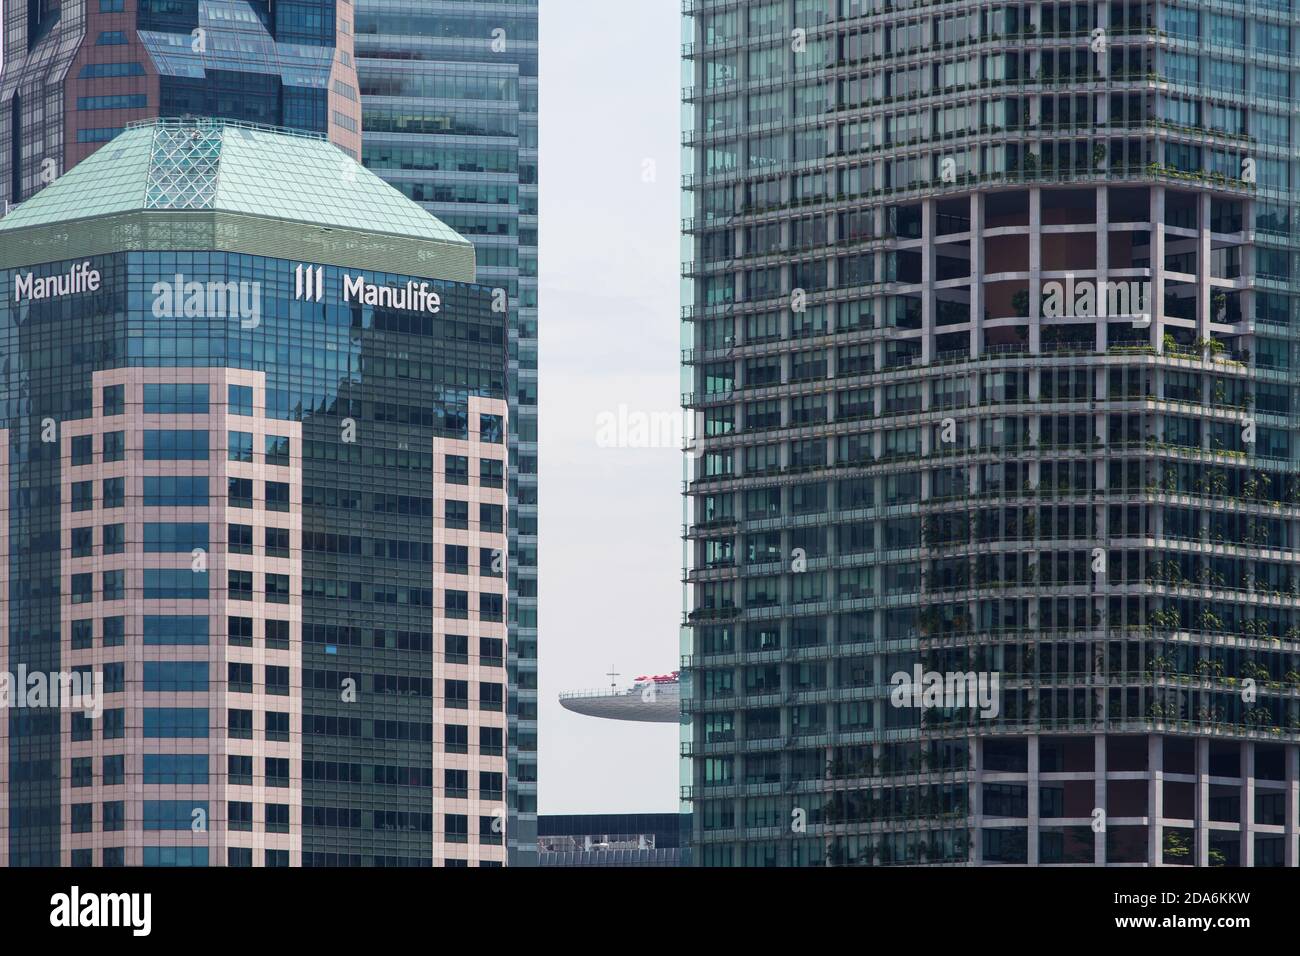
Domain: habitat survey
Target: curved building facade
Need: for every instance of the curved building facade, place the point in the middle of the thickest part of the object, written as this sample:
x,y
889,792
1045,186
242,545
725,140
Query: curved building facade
x,y
993,524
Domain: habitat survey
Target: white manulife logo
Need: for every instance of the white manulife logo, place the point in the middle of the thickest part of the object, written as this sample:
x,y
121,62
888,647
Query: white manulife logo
x,y
309,283
412,296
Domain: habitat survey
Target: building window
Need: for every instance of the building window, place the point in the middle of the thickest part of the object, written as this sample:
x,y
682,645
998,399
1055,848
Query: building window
x,y
83,634
456,827
83,588
114,446
491,518
239,399
181,444
457,604
114,536
277,635
114,584
114,492
456,647
455,559
114,397
457,470
113,631
114,820
277,588
456,694
120,101
83,495
276,542
239,677
239,630
239,585
239,492
277,496
491,607
239,538
277,725
491,472
457,514
239,769
240,814
241,724
175,584
277,680
101,134
277,450
489,696
490,429
113,770
83,449
456,740
455,784
240,446
83,542
277,771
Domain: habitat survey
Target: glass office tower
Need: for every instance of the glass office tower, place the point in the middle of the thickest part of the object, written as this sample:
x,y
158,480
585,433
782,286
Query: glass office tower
x,y
993,528
76,72
254,478
449,107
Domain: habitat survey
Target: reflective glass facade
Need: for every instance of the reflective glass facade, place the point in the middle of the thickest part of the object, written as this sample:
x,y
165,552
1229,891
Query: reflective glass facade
x,y
274,520
76,74
990,343
449,108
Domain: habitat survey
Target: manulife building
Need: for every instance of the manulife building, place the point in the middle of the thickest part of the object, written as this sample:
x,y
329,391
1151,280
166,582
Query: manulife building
x,y
252,449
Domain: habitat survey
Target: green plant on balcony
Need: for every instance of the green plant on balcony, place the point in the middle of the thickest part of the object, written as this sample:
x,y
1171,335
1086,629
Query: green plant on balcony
x,y
1176,848
1165,618
1207,667
1020,302
1160,711
1253,670
929,620
1220,307
1209,621
1260,717
1210,347
1209,715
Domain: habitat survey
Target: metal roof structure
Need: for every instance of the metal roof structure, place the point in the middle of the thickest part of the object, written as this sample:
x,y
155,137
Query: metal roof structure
x,y
216,184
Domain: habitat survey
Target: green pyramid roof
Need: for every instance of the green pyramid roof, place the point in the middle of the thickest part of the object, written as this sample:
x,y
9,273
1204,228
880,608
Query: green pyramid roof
x,y
281,186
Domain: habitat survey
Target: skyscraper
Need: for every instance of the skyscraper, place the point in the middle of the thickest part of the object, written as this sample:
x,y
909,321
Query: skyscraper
x,y
992,512
449,108
254,474
76,72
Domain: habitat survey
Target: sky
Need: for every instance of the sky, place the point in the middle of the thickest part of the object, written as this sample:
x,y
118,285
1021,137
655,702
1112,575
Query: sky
x,y
609,517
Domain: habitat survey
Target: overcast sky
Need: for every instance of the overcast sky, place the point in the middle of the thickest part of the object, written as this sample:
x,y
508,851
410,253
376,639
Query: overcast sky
x,y
610,518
